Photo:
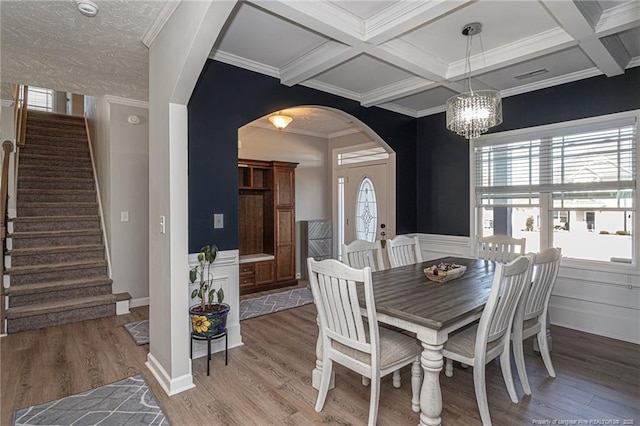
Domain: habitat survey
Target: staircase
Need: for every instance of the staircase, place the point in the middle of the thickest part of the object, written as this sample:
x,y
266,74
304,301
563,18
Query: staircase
x,y
56,265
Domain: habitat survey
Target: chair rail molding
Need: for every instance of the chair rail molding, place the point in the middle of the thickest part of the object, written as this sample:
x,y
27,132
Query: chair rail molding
x,y
225,275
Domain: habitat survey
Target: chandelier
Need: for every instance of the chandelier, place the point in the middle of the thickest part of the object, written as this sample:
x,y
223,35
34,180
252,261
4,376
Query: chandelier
x,y
472,113
280,121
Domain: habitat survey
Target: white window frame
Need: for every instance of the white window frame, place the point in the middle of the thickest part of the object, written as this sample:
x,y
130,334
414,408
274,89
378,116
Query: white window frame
x,y
546,213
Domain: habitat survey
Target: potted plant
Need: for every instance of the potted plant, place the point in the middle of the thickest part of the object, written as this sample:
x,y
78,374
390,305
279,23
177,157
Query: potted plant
x,y
207,318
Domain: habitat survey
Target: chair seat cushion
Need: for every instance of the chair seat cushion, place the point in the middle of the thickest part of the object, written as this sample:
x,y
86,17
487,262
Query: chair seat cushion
x,y
394,348
464,342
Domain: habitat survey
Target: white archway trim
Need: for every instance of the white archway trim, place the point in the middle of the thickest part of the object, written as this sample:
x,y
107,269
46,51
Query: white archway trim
x,y
176,58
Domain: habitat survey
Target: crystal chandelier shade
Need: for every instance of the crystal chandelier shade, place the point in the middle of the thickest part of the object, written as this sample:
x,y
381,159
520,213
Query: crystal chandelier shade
x,y
472,113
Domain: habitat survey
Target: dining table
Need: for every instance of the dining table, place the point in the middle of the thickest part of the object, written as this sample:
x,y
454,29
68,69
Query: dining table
x,y
405,298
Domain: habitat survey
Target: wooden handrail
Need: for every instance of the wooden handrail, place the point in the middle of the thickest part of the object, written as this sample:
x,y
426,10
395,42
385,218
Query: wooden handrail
x,y
7,148
20,100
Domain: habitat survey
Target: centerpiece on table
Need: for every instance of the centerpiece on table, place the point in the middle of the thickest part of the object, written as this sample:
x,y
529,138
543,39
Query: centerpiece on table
x,y
208,318
444,271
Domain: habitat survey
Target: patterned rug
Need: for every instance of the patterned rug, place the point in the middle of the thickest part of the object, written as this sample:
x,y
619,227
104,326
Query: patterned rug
x,y
127,402
250,308
139,330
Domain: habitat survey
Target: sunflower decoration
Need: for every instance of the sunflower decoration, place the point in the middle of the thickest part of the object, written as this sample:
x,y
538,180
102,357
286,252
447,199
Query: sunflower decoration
x,y
200,323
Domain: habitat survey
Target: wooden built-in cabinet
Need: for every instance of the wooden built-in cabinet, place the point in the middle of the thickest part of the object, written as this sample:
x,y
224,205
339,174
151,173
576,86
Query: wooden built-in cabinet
x,y
266,218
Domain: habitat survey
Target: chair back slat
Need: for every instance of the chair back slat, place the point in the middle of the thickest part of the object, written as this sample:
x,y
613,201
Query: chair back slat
x,y
360,254
404,251
508,284
545,272
500,248
335,293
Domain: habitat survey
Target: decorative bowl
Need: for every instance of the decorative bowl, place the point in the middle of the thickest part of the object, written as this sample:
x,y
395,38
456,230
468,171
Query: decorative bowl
x,y
444,272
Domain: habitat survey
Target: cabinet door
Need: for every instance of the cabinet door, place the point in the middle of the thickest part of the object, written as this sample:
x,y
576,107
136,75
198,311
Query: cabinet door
x,y
285,187
285,244
265,273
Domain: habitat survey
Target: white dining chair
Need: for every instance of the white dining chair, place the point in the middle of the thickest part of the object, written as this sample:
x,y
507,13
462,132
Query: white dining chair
x,y
359,254
532,317
482,342
404,251
352,341
500,248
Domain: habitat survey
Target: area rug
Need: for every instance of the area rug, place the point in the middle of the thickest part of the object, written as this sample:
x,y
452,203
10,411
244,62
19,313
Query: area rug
x,y
139,330
127,402
250,308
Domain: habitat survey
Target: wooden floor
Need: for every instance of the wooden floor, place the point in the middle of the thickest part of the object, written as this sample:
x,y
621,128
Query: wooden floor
x,y
268,380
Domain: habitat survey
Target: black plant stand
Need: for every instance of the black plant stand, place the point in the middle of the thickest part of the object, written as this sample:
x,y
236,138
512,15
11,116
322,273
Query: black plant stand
x,y
209,339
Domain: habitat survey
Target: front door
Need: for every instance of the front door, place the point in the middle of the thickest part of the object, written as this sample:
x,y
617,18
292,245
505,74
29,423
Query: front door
x,y
365,202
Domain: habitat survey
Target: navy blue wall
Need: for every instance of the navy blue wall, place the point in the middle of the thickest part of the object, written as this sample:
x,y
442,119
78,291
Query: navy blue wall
x,y
443,156
225,99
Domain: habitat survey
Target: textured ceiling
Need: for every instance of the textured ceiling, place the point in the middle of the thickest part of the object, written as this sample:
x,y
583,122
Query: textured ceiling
x,y
405,56
50,44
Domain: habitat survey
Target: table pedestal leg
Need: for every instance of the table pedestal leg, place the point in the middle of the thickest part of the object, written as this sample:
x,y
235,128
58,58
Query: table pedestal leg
x,y
316,375
430,395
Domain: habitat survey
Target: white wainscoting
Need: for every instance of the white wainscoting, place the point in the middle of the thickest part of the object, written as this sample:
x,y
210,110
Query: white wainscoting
x,y
225,274
597,298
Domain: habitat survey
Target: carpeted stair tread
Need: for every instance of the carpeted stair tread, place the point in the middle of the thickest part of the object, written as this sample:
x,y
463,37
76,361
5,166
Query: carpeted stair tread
x,y
74,152
61,179
66,233
60,306
56,285
55,191
67,266
58,249
60,204
52,157
55,140
45,115
24,167
53,218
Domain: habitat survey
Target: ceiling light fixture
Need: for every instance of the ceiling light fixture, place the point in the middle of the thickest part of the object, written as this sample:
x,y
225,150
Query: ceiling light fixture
x,y
472,113
280,121
87,8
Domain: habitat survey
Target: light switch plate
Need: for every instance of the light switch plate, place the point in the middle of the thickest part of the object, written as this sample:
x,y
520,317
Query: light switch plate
x,y
124,216
218,221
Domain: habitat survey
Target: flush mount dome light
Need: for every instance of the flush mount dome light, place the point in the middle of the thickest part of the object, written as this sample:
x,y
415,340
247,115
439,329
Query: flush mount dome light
x,y
87,8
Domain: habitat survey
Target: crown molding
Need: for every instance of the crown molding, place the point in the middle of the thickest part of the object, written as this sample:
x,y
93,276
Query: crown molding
x,y
269,127
156,26
432,111
316,61
247,64
398,109
400,89
126,101
6,103
618,18
345,132
329,88
634,62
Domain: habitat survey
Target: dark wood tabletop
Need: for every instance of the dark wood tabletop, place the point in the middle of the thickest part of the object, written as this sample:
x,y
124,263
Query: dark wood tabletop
x,y
406,293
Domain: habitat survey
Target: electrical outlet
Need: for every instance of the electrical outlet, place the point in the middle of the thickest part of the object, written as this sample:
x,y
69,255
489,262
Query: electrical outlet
x,y
162,225
218,221
298,275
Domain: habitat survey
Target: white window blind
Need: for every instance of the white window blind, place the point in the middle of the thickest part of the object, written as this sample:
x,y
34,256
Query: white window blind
x,y
581,167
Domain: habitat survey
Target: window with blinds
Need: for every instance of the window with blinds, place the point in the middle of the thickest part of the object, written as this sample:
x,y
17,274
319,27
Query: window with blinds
x,y
570,182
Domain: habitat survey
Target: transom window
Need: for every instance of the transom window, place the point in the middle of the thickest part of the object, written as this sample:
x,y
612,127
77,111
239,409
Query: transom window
x,y
366,211
571,186
40,99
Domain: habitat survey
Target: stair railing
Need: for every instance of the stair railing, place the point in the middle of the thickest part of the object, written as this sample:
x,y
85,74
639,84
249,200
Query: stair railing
x,y
20,101
7,148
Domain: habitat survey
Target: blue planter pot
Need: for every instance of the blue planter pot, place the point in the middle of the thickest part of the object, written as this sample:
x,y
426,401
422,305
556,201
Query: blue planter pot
x,y
210,322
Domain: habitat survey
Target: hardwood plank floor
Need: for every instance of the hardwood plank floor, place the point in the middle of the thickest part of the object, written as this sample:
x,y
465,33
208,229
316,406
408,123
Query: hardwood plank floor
x,y
268,380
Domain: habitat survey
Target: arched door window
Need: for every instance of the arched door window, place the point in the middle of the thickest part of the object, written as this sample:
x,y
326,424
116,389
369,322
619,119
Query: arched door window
x,y
366,211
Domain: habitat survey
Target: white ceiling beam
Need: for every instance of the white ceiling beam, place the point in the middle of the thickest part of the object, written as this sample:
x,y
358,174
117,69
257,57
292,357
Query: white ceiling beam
x,y
407,56
519,51
316,62
619,18
320,16
400,89
574,22
402,17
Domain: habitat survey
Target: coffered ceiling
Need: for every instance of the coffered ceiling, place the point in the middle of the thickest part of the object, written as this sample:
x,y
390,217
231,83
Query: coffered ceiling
x,y
406,56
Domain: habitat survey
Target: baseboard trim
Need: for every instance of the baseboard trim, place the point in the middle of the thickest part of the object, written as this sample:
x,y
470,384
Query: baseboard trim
x,y
170,386
142,301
